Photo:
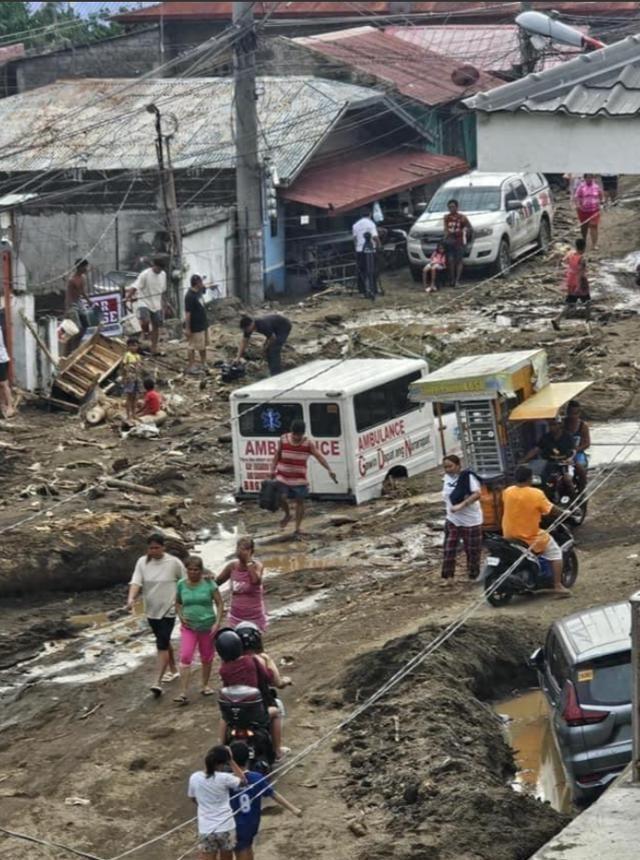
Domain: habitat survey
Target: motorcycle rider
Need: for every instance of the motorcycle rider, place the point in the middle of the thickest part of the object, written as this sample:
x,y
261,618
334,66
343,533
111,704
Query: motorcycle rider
x,y
252,641
524,506
240,669
556,447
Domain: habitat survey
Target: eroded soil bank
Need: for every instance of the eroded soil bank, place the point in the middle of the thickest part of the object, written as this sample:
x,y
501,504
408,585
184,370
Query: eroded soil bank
x,y
431,762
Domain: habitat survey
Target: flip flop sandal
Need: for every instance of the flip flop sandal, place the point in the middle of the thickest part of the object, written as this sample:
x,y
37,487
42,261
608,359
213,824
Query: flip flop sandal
x,y
208,692
181,700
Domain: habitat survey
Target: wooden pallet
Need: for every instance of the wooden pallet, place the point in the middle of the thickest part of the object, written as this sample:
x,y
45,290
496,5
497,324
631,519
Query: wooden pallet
x,y
87,366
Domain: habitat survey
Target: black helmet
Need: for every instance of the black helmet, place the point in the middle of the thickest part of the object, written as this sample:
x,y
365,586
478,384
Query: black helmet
x,y
250,635
228,645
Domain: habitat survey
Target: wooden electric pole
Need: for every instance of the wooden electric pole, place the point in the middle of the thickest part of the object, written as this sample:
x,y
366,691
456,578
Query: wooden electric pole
x,y
249,272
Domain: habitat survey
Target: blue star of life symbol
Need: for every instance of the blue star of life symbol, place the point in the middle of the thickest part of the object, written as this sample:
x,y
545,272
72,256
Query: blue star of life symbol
x,y
271,420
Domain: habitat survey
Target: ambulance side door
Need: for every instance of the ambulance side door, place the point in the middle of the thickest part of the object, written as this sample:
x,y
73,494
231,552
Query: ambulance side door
x,y
326,428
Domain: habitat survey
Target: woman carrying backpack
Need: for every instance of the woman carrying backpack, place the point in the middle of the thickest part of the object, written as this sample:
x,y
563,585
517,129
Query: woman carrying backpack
x,y
461,494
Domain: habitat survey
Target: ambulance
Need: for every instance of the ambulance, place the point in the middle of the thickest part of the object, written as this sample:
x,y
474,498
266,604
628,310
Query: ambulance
x,y
359,414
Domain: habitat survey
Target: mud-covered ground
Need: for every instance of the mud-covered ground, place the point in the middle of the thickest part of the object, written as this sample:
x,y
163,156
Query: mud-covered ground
x,y
77,721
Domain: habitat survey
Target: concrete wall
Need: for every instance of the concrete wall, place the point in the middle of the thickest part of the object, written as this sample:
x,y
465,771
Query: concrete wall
x,y
209,252
557,143
125,56
48,243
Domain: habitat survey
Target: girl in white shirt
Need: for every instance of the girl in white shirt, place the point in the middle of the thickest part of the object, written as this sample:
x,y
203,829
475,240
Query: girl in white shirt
x,y
210,791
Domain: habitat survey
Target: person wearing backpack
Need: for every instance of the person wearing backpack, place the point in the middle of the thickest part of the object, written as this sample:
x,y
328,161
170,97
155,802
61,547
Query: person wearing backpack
x,y
461,494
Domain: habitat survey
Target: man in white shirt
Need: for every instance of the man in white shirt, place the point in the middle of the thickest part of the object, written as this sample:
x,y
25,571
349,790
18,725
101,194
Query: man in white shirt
x,y
156,575
149,289
365,224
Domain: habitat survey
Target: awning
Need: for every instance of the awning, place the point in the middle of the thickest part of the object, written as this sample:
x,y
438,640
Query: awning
x,y
547,402
343,186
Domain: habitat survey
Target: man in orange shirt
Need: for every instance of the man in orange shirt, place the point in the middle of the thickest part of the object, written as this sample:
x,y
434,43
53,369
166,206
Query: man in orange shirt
x,y
524,506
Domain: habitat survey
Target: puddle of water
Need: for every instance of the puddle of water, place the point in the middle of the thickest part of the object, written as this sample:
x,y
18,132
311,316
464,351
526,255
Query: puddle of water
x,y
215,551
298,607
616,441
540,770
609,282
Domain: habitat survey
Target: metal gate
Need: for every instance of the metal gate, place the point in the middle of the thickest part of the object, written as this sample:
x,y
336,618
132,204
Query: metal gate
x,y
479,437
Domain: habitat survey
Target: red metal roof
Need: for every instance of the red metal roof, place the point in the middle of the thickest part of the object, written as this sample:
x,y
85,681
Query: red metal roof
x,y
490,11
343,186
490,47
11,52
410,70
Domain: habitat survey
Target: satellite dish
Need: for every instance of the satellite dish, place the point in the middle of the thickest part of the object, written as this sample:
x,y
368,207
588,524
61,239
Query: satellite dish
x,y
465,75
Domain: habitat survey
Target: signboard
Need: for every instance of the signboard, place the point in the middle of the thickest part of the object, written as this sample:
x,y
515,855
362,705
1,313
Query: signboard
x,y
110,305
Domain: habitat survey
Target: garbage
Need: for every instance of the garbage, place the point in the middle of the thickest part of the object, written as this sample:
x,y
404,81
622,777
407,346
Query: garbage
x,y
77,801
141,431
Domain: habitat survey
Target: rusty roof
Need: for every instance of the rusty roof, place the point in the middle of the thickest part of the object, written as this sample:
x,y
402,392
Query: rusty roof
x,y
491,47
415,72
484,11
341,186
103,124
11,52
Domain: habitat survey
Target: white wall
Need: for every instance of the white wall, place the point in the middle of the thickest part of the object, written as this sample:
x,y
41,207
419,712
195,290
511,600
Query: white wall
x,y
558,143
204,252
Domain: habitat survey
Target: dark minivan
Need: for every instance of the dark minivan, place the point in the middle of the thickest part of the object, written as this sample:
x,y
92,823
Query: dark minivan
x,y
584,670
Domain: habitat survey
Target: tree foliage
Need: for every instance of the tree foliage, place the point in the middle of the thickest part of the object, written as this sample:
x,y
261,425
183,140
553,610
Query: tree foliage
x,y
53,24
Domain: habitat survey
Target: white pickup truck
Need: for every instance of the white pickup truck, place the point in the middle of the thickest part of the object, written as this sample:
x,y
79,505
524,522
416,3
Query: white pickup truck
x,y
510,214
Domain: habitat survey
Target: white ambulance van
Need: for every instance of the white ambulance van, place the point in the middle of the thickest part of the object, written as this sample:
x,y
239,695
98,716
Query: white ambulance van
x,y
359,415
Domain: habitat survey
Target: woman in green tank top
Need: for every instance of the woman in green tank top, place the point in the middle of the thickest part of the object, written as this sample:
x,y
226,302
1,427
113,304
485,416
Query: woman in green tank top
x,y
200,609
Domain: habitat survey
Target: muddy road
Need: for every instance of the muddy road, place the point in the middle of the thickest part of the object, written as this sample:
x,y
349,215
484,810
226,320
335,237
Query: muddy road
x,y
89,760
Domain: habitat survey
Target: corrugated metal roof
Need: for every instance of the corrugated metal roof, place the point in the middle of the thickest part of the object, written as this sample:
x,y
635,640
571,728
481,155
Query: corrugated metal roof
x,y
11,52
415,72
103,125
605,82
491,10
490,47
352,182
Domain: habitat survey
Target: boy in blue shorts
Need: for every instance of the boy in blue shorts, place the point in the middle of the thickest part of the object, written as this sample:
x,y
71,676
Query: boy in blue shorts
x,y
247,802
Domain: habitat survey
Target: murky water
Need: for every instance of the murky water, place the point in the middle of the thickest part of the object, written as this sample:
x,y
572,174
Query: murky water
x,y
540,771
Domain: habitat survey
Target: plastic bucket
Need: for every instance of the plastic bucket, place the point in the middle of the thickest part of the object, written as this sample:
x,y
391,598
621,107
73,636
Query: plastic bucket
x,y
130,325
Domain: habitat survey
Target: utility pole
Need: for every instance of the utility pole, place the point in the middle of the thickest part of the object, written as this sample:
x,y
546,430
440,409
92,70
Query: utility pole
x,y
249,272
170,206
528,54
635,687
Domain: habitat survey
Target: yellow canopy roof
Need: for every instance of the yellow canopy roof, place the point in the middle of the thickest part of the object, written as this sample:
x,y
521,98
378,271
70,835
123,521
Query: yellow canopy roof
x,y
546,402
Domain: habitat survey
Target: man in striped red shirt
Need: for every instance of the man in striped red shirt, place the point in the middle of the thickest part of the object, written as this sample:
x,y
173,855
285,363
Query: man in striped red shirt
x,y
289,468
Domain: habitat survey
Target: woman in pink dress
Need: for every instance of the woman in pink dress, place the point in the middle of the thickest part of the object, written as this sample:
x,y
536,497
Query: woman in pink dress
x,y
245,576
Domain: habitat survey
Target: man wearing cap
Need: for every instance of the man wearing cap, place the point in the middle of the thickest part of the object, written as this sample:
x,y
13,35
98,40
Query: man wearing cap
x,y
195,325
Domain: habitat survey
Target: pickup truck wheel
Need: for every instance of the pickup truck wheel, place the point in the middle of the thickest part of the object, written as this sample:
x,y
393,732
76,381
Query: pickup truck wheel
x,y
502,264
544,235
416,273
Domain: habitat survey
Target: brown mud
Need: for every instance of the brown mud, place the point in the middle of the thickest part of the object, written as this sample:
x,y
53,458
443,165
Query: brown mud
x,y
76,718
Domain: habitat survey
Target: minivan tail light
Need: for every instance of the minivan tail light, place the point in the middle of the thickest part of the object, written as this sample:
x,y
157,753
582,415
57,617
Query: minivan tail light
x,y
573,714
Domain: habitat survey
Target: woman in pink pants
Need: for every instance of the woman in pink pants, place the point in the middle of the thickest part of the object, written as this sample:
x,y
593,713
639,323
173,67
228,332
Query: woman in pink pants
x,y
200,609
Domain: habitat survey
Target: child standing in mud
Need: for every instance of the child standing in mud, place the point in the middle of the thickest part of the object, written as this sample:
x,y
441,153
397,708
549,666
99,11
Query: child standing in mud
x,y
210,791
131,373
576,283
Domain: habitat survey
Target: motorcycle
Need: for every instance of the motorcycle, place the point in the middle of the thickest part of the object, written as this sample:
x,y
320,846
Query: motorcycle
x,y
560,486
393,248
530,572
247,719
